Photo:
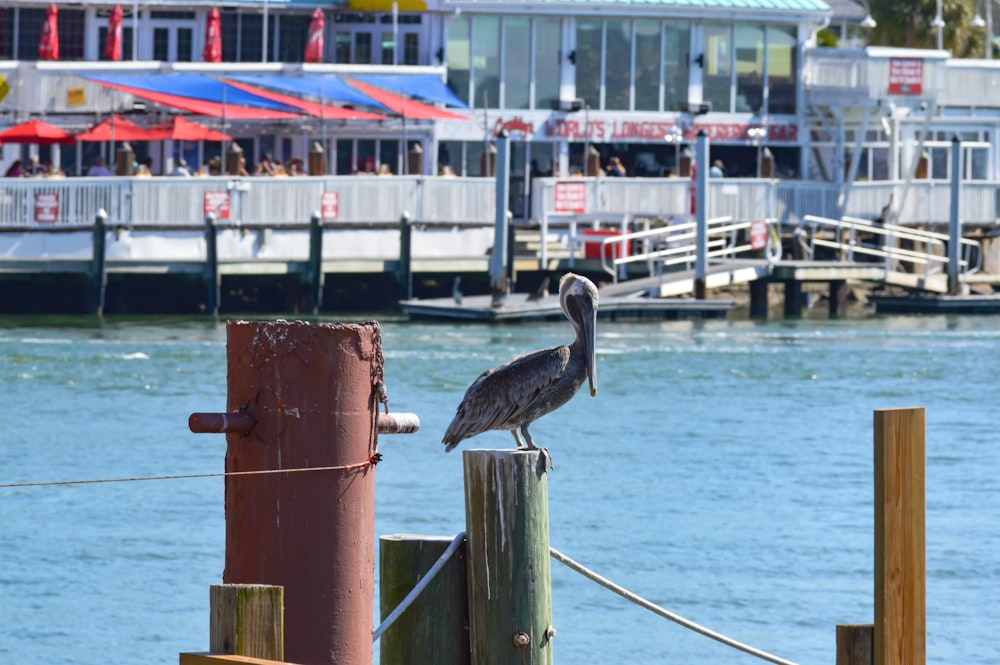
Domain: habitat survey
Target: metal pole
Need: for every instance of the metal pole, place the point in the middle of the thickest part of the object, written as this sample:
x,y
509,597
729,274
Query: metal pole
x,y
98,267
954,219
498,261
701,214
211,265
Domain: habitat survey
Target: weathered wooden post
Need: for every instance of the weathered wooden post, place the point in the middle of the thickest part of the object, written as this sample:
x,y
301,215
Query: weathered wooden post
x,y
498,259
404,274
900,557
758,298
701,215
435,628
98,265
507,521
955,219
247,620
855,645
313,391
315,271
211,265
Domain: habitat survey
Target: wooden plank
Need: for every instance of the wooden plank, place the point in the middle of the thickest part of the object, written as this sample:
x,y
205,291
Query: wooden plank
x,y
247,620
225,659
900,556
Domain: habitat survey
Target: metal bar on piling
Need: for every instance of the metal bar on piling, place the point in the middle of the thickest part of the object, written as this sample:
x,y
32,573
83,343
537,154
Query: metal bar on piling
x,y
701,214
315,272
247,620
404,271
900,555
434,629
954,218
212,282
98,264
507,522
498,260
313,392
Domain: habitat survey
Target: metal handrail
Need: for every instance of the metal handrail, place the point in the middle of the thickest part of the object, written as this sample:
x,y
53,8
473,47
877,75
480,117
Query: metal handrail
x,y
930,261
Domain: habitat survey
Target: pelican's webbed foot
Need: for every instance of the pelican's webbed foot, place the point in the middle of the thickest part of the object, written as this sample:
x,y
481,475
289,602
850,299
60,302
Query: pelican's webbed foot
x,y
543,452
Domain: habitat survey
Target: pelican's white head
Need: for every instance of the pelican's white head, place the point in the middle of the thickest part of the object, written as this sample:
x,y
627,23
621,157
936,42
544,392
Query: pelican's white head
x,y
578,298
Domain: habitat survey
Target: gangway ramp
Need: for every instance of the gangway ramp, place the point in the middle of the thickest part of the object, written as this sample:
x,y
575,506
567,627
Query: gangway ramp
x,y
682,282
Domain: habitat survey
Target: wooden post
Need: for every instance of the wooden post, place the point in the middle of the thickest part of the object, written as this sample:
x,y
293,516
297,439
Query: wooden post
x,y
838,297
313,392
315,272
435,628
900,557
404,274
247,620
758,298
211,265
98,265
506,515
701,215
793,298
855,644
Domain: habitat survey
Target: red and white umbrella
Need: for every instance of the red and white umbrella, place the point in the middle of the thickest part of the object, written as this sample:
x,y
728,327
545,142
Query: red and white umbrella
x,y
314,44
113,45
37,132
48,45
213,38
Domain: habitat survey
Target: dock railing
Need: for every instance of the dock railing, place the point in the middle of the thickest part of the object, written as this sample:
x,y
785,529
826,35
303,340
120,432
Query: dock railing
x,y
854,239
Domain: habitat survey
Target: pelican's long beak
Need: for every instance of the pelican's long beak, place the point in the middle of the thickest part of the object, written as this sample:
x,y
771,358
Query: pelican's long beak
x,y
588,332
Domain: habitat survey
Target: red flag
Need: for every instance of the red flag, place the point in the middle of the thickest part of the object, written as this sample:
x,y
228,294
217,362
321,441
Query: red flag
x,y
113,45
213,38
314,44
48,45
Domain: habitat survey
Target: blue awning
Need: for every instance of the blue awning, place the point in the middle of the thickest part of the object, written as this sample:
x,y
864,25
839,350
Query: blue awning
x,y
428,87
326,88
195,86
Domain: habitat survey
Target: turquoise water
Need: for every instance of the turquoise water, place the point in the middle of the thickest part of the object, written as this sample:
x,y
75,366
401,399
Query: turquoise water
x,y
724,471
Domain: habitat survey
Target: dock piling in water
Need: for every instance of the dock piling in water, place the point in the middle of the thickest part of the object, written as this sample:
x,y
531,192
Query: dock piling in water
x,y
98,264
507,521
247,620
212,282
314,299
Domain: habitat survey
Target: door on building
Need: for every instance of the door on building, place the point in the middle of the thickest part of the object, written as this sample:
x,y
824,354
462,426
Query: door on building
x,y
172,36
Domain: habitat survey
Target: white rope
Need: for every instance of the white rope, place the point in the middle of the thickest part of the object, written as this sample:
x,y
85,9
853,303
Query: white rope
x,y
666,614
419,587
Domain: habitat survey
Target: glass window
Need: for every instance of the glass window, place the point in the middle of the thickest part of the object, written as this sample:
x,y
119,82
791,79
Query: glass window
x,y
342,47
161,44
717,75
251,31
363,48
676,47
588,62
71,31
619,49
458,56
782,69
486,62
388,48
345,157
749,68
292,40
388,155
517,63
29,31
102,39
647,65
548,52
411,48
366,157
185,45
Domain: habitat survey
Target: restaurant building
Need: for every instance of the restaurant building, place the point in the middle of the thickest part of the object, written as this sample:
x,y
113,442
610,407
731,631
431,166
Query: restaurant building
x,y
573,82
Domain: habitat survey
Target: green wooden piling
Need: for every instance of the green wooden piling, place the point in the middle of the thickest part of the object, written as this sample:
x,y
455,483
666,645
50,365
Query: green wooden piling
x,y
435,628
507,521
315,271
98,265
211,265
404,271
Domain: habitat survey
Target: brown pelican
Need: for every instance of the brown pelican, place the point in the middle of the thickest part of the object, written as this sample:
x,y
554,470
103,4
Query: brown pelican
x,y
515,394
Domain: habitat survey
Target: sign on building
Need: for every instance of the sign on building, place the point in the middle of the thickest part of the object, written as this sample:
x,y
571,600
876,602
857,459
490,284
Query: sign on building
x,y
46,207
571,197
330,206
217,202
906,76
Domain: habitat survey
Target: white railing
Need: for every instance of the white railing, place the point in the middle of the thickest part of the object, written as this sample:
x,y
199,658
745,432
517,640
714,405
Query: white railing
x,y
852,239
271,201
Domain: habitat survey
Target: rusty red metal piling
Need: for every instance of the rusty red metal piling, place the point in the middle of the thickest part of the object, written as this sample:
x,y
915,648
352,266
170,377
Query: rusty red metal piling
x,y
304,395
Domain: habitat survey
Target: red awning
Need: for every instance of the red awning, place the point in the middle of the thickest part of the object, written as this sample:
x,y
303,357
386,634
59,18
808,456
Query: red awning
x,y
201,107
180,129
121,130
37,132
325,111
408,108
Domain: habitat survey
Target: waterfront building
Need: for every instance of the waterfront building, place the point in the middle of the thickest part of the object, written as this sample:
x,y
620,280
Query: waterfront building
x,y
574,83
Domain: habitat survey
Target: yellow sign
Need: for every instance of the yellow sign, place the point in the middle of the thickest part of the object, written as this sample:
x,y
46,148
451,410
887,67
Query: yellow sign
x,y
4,88
386,5
75,97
